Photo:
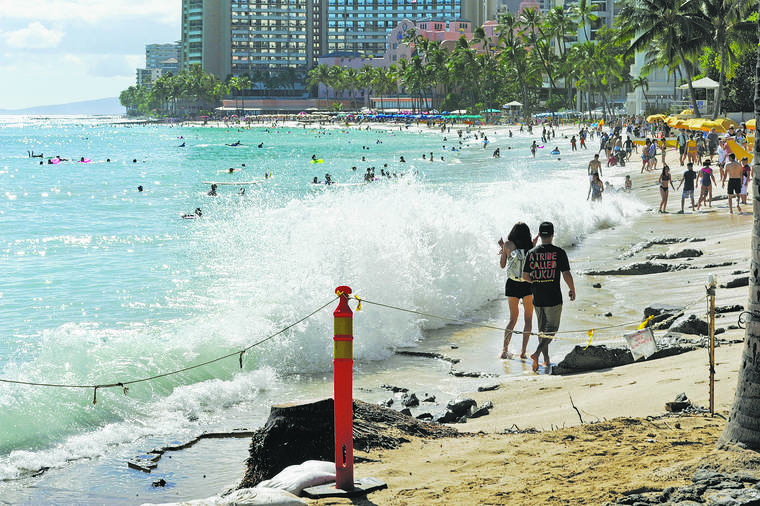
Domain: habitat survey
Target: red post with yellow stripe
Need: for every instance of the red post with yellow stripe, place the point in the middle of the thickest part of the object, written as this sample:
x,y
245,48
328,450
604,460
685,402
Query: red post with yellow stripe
x,y
343,364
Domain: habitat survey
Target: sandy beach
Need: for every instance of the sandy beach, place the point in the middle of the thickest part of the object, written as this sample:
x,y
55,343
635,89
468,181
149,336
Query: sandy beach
x,y
623,443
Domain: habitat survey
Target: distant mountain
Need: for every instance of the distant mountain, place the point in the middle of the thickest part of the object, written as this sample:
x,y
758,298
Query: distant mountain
x,y
89,107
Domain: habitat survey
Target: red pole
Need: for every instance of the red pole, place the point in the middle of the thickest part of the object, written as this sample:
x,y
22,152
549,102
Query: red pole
x,y
343,364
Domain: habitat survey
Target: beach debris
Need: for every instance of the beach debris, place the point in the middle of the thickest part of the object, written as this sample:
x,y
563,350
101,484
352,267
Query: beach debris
x,y
681,403
639,269
462,407
690,325
149,461
483,410
144,463
471,374
737,282
410,401
714,266
394,389
729,309
428,354
686,253
636,248
295,433
488,388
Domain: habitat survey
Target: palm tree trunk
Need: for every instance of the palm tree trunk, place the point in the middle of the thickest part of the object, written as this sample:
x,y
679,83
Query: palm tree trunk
x,y
691,88
743,424
719,93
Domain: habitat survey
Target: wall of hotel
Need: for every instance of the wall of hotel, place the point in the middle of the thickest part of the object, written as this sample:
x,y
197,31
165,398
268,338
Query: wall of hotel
x,y
216,56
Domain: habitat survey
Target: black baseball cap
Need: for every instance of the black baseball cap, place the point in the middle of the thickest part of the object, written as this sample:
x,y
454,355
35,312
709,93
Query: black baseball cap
x,y
546,229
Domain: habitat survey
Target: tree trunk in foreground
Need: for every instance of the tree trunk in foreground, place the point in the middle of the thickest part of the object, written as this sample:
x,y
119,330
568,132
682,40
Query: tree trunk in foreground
x,y
743,424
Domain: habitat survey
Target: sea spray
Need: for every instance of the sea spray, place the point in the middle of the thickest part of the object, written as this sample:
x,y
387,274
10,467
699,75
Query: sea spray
x,y
126,289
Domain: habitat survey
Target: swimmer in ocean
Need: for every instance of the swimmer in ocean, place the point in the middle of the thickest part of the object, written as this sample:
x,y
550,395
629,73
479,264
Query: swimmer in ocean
x,y
401,160
234,144
196,214
261,145
212,193
140,188
181,145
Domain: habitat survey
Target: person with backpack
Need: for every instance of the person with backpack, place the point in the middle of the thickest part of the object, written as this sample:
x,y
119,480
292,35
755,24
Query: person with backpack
x,y
512,257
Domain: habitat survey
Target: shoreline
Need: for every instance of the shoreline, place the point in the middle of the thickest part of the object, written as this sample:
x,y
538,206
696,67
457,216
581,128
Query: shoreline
x,y
492,466
623,291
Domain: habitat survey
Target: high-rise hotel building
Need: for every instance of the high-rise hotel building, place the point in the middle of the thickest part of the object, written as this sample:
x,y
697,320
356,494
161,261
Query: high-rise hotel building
x,y
242,36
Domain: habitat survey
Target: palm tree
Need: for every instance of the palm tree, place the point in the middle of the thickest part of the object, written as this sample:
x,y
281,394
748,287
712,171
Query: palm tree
x,y
584,14
319,75
742,426
643,83
676,24
727,19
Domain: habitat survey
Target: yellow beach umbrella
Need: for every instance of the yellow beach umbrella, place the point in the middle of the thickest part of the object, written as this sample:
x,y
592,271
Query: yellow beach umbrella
x,y
687,112
750,124
708,125
695,124
725,122
655,117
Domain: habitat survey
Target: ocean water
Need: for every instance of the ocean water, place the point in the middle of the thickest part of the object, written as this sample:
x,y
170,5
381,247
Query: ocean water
x,y
102,283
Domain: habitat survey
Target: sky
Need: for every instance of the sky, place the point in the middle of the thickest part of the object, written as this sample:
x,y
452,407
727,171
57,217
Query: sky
x,y
60,51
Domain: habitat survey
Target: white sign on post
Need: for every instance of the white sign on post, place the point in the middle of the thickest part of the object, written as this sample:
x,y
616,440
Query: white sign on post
x,y
641,343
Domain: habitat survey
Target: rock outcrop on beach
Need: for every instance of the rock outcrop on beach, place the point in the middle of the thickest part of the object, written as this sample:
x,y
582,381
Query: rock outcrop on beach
x,y
296,433
596,357
639,269
686,253
707,486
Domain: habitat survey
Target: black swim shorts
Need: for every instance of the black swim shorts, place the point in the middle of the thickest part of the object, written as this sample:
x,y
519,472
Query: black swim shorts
x,y
734,186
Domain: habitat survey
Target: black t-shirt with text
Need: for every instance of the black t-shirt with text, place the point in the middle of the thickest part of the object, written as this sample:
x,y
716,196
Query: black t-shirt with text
x,y
688,180
545,264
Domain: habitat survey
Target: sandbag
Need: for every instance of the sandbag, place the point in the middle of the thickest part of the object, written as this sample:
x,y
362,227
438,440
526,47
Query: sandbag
x,y
247,497
296,478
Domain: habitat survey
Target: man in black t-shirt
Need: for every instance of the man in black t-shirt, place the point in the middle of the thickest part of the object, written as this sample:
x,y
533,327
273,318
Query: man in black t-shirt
x,y
543,267
688,186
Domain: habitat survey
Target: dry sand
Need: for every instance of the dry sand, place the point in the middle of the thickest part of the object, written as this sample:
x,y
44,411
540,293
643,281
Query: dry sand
x,y
623,444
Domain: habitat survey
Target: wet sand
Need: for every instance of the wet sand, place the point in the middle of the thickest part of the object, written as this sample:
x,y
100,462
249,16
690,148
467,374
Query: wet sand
x,y
574,463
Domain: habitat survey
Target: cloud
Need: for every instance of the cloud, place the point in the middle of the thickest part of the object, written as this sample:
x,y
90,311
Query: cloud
x,y
34,36
115,66
92,11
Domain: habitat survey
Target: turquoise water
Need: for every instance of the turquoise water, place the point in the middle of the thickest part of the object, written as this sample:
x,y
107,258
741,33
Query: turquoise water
x,y
103,283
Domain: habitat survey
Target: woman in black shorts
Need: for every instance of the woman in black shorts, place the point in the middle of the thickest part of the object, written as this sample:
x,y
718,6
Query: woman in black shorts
x,y
512,256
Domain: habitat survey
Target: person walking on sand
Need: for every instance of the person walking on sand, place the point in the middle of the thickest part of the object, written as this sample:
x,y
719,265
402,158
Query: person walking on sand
x,y
543,267
707,180
664,181
733,172
512,257
688,186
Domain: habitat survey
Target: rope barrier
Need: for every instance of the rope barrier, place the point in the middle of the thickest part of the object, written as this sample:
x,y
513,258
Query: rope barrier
x,y
590,333
123,384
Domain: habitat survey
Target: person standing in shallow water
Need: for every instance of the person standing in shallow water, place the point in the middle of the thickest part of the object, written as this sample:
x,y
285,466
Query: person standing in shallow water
x,y
544,265
512,257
